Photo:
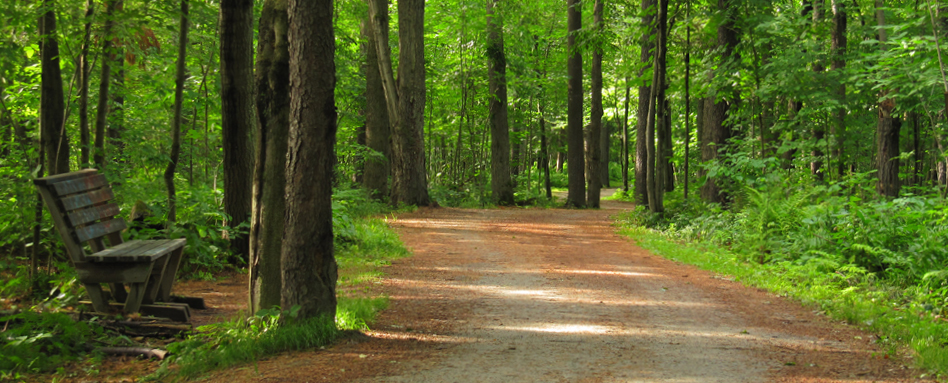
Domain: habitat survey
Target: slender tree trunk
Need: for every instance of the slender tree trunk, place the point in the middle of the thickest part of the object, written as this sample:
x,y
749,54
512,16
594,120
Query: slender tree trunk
x,y
838,46
377,128
236,25
687,173
662,166
819,132
593,144
272,82
105,79
501,185
625,139
309,265
181,74
604,144
84,72
887,130
574,120
647,44
52,105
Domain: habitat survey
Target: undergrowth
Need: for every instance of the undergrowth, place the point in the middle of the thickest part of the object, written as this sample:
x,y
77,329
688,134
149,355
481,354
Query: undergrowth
x,y
874,262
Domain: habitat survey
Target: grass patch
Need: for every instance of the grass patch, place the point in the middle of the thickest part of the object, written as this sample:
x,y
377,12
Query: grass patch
x,y
846,292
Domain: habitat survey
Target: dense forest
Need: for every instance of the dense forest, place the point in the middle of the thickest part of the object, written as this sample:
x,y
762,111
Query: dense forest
x,y
807,132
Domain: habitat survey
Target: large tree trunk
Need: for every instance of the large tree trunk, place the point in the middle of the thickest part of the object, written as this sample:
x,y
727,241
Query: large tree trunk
x,y
501,185
236,24
593,144
84,72
838,52
52,106
272,82
378,131
647,44
105,79
887,130
715,131
181,74
661,164
309,266
574,119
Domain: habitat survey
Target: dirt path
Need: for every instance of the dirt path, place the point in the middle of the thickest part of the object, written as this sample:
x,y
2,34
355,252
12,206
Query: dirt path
x,y
530,295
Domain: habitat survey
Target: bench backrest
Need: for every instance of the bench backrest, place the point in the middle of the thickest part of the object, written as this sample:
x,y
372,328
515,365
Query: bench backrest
x,y
80,203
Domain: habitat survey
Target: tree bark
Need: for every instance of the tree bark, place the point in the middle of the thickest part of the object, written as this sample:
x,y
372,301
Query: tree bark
x,y
308,264
84,72
887,130
272,82
574,120
625,139
236,34
410,183
661,153
378,131
105,79
819,132
181,74
52,105
838,46
593,138
501,185
646,44
715,131
604,146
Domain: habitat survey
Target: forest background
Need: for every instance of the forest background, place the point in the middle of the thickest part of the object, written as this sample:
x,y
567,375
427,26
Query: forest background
x,y
801,133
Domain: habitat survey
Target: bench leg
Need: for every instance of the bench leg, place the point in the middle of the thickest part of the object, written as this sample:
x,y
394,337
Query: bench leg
x,y
154,279
99,303
136,293
167,278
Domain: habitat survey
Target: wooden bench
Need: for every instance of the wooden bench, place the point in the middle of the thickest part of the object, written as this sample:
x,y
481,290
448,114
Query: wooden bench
x,y
83,212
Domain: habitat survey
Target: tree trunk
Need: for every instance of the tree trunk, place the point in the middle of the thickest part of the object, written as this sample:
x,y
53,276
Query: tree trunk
x,y
309,266
887,130
377,128
662,152
838,46
116,125
819,132
625,139
574,120
604,153
410,184
715,131
52,106
84,72
272,82
501,185
105,79
181,74
687,173
646,44
593,137
236,33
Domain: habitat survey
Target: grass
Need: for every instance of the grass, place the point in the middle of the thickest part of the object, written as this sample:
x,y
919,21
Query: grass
x,y
246,339
844,292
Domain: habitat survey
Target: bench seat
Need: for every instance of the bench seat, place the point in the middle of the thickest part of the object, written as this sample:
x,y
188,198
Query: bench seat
x,y
137,251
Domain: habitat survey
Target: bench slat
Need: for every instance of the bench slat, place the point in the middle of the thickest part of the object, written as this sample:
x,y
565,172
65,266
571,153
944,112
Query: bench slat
x,y
64,177
84,216
80,185
100,229
137,251
80,201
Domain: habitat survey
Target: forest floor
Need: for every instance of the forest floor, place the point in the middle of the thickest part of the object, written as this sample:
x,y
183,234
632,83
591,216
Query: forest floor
x,y
554,295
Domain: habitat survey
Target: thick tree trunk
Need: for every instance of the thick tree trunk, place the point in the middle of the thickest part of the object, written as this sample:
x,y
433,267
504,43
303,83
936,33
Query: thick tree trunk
x,y
84,72
647,44
593,144
181,74
309,266
236,24
377,128
887,130
574,120
52,106
501,185
410,183
272,82
662,130
715,131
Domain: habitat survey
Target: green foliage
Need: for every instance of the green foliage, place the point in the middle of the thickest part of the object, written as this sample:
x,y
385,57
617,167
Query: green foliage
x,y
39,342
